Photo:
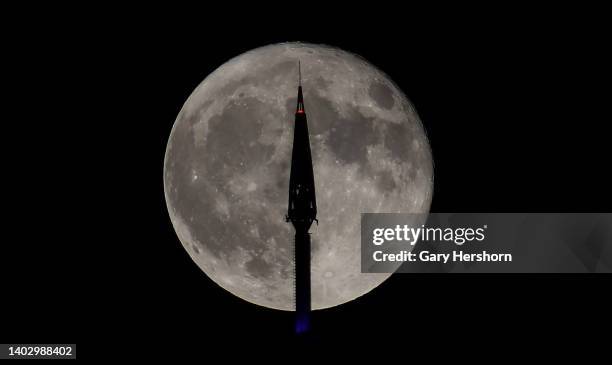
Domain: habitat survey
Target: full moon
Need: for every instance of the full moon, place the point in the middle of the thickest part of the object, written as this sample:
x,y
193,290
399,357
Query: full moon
x,y
226,170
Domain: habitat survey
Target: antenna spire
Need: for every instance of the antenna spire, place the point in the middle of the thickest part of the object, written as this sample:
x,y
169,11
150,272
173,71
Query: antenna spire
x,y
302,211
300,98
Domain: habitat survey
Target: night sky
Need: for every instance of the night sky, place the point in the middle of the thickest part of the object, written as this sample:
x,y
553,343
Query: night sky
x,y
513,106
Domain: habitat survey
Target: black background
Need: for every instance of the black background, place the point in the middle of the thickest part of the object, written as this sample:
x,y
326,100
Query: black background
x,y
514,104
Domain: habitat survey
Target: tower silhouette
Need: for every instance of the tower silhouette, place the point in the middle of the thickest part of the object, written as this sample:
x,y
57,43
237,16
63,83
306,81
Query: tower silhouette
x,y
302,210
